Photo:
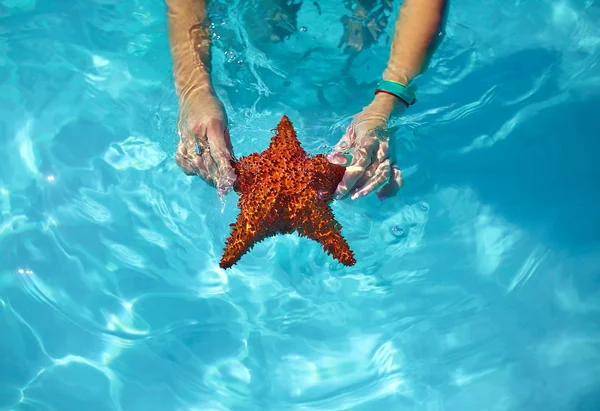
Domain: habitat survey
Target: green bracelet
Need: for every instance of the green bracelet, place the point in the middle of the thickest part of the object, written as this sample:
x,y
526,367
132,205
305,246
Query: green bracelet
x,y
397,89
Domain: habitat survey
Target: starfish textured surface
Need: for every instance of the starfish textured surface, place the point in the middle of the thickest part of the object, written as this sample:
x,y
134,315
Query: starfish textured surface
x,y
282,190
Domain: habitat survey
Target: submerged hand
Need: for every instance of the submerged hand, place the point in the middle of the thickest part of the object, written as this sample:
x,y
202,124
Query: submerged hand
x,y
367,141
204,145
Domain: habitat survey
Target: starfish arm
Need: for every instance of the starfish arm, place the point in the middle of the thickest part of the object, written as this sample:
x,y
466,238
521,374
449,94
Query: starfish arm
x,y
285,142
320,225
326,175
247,170
242,238
251,227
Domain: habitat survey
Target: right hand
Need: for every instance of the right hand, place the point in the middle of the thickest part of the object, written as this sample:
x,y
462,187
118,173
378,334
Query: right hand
x,y
204,147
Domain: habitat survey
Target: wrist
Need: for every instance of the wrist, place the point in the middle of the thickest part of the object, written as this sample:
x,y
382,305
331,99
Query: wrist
x,y
193,84
387,104
191,60
195,93
398,75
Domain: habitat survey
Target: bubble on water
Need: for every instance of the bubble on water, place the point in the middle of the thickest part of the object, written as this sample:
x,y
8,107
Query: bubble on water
x,y
222,190
397,231
223,202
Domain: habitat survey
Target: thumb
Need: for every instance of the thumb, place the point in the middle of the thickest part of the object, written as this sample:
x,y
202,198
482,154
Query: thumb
x,y
347,140
337,158
221,155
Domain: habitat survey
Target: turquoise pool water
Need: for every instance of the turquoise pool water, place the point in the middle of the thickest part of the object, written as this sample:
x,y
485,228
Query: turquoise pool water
x,y
476,287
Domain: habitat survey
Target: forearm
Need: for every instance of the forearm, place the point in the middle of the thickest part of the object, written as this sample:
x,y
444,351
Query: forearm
x,y
417,25
189,40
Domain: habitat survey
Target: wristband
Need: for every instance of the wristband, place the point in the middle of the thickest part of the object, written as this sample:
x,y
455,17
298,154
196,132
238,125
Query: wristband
x,y
397,89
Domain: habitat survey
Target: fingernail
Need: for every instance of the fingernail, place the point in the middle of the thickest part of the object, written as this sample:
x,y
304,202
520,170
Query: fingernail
x,y
356,195
339,159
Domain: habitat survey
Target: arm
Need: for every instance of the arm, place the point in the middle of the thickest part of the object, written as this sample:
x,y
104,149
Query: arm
x,y
202,123
370,167
416,27
189,40
417,24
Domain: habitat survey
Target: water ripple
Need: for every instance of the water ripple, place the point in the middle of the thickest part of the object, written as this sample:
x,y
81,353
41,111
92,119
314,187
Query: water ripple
x,y
111,297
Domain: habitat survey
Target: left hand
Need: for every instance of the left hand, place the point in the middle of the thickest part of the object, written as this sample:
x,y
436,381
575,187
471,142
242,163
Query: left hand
x,y
367,141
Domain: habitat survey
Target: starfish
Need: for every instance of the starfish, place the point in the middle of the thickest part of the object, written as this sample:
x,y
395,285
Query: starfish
x,y
283,190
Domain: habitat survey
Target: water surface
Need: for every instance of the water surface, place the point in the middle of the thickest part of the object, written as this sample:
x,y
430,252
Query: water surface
x,y
476,287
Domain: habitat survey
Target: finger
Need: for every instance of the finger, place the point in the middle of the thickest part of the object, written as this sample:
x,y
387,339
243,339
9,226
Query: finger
x,y
187,158
231,176
347,140
183,161
228,144
338,158
397,176
192,165
382,151
369,172
361,158
199,145
204,165
201,164
226,175
392,187
220,153
381,156
381,177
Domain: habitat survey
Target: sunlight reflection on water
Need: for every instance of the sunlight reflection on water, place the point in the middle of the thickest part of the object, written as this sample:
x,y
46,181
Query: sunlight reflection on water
x,y
475,288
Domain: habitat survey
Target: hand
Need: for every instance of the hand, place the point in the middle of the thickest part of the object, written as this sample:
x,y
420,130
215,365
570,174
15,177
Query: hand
x,y
367,141
204,145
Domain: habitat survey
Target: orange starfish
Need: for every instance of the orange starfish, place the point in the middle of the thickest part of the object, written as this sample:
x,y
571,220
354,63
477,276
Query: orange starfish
x,y
282,190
